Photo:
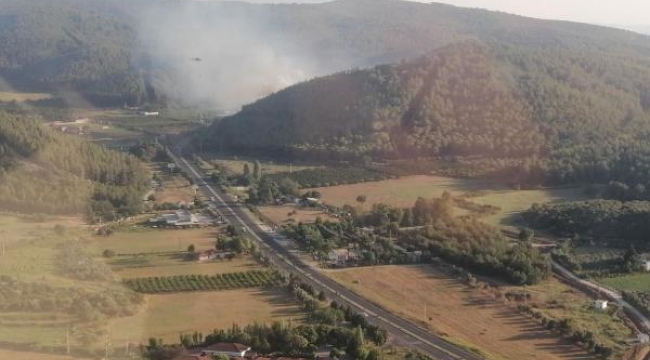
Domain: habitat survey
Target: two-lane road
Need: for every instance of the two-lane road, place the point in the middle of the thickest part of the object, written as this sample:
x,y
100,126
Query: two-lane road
x,y
403,330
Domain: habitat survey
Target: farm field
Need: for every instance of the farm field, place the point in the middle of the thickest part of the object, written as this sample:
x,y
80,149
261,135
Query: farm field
x,y
280,214
404,191
400,192
472,316
138,240
31,244
513,202
174,189
632,282
24,355
237,166
238,264
6,96
164,316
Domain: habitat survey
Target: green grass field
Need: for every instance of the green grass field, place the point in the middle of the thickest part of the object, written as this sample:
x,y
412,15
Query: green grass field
x,y
513,202
632,282
404,191
400,192
237,165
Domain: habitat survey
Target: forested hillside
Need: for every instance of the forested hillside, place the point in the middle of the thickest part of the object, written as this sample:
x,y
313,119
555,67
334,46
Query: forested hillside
x,y
44,171
100,48
70,46
537,114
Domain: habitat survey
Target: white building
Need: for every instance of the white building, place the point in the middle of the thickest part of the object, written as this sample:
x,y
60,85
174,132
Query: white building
x,y
178,218
227,349
601,304
643,338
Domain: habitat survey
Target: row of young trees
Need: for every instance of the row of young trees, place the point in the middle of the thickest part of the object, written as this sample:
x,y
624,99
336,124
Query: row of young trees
x,y
181,283
569,330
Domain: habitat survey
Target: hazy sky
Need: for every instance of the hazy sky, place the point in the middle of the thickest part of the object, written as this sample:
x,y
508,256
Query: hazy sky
x,y
615,12
605,12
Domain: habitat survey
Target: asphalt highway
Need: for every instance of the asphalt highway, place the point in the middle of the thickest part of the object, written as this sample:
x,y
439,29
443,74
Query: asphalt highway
x,y
404,331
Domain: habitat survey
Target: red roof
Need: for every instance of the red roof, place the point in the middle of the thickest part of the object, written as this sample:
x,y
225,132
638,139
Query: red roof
x,y
228,347
191,357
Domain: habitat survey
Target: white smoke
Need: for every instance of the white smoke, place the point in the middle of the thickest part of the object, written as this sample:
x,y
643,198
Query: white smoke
x,y
217,59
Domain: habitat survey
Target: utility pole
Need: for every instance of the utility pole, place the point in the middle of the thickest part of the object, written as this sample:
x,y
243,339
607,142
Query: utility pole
x,y
106,344
3,248
67,340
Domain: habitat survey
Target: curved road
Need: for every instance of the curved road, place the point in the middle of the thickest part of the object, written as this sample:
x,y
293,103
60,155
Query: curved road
x,y
405,331
609,293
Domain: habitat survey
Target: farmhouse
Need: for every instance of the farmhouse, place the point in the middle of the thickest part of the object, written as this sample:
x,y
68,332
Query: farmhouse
x,y
228,349
340,257
192,357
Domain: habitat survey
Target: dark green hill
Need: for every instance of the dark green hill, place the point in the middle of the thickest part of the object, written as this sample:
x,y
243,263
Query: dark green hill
x,y
42,170
574,114
70,46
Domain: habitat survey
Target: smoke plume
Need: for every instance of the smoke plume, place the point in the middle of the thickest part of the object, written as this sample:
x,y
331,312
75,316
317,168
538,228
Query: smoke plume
x,y
213,54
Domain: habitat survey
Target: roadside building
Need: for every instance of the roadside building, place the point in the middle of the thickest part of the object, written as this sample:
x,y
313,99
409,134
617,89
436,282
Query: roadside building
x,y
178,218
601,304
232,350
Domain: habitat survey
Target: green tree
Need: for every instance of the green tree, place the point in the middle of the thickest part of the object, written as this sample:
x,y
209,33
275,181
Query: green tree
x,y
361,199
257,171
526,235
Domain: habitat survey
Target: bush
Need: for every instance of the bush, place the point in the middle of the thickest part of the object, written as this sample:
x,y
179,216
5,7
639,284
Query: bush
x,y
108,253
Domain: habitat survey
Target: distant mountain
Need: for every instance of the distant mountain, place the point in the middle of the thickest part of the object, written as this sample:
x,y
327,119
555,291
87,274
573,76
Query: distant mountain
x,y
642,29
117,51
548,111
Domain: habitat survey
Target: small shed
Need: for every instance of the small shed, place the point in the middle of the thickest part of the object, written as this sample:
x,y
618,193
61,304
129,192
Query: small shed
x,y
643,338
601,304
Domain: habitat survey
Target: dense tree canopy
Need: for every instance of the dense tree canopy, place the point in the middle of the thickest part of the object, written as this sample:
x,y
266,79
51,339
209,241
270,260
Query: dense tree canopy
x,y
536,114
46,171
